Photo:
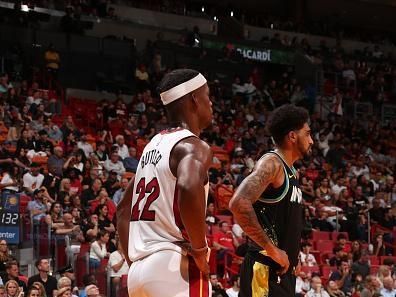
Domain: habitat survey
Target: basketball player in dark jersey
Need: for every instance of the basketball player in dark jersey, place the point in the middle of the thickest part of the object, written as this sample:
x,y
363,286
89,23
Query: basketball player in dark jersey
x,y
268,207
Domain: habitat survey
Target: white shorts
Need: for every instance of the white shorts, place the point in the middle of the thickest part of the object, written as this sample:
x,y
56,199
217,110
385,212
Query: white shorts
x,y
167,274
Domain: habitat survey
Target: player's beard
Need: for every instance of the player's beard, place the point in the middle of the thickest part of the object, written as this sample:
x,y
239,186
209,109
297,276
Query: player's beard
x,y
304,152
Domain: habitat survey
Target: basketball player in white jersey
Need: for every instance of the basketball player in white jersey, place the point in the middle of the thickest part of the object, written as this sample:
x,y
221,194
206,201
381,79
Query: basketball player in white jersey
x,y
161,219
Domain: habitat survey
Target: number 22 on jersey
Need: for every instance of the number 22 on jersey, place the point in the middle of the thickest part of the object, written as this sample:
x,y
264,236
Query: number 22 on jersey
x,y
147,194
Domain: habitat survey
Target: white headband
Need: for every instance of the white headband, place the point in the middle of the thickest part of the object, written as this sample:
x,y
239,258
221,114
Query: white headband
x,y
183,89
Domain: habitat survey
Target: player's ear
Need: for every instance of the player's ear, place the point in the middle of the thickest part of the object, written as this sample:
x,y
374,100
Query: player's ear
x,y
292,136
194,101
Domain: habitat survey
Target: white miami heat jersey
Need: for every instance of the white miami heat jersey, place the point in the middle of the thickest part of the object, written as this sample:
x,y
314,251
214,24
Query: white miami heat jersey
x,y
155,219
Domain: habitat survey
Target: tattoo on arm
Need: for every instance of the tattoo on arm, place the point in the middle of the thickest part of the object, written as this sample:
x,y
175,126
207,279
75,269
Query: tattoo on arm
x,y
265,172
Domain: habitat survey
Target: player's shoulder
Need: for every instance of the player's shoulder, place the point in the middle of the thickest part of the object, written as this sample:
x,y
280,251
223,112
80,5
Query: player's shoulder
x,y
270,158
192,147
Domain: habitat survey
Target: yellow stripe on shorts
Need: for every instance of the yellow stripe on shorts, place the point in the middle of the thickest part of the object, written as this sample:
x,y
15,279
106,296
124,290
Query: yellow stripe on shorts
x,y
260,279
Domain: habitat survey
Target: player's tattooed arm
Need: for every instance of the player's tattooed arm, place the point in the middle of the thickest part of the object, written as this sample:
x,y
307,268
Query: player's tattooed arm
x,y
266,172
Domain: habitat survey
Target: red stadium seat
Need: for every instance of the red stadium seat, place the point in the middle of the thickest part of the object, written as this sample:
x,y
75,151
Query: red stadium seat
x,y
327,270
335,234
374,269
320,235
310,269
382,258
374,260
324,246
316,254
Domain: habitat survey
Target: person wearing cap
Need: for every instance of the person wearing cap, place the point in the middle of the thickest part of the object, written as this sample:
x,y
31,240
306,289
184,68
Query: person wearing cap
x,y
43,144
37,207
168,197
32,180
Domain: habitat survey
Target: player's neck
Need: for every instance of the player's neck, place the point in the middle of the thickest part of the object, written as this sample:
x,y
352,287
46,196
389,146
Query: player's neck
x,y
288,156
189,125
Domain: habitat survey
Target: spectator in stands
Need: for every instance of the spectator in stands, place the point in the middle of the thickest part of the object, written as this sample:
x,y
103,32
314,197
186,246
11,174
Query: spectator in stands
x,y
40,287
356,250
101,151
49,282
52,61
321,223
122,148
234,290
5,255
55,162
43,144
388,290
91,228
3,291
224,241
55,133
371,286
338,186
32,180
379,245
333,290
316,288
342,242
12,270
306,258
112,183
98,250
67,227
104,216
11,180
118,268
120,192
91,291
90,194
13,289
37,207
65,282
303,284
33,292
362,265
339,255
131,162
343,277
64,292
24,142
85,146
217,287
114,164
211,219
55,215
142,78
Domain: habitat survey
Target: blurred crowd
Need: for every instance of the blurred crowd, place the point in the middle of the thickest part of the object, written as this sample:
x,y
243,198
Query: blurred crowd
x,y
73,172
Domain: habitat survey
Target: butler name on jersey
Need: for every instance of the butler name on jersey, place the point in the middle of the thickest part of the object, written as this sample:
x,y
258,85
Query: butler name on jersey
x,y
155,221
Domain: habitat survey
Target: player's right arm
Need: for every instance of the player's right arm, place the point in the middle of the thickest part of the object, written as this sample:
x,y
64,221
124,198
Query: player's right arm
x,y
124,209
268,170
190,162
